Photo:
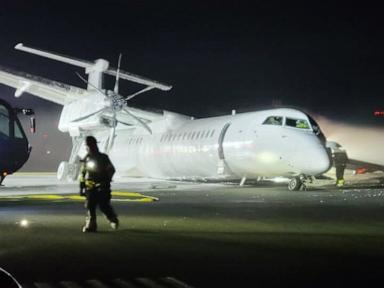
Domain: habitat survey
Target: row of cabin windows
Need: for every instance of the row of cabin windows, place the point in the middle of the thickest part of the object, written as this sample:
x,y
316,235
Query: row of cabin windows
x,y
136,141
193,135
176,137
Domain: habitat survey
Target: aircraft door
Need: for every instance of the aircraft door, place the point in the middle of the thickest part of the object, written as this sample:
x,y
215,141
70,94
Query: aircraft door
x,y
221,140
222,166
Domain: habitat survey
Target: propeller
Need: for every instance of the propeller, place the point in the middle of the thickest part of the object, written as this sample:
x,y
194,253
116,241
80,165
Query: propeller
x,y
117,103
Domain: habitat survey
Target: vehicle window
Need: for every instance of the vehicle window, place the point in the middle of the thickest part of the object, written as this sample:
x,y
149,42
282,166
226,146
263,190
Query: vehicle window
x,y
273,120
297,123
4,122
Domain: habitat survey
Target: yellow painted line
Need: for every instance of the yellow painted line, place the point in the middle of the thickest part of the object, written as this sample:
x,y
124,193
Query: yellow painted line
x,y
145,200
122,193
132,194
126,195
44,197
76,197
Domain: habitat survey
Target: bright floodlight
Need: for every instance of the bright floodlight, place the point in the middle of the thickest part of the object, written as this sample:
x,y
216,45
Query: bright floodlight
x,y
24,223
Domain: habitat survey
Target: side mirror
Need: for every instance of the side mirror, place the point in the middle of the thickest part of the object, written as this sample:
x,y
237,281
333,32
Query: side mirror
x,y
32,123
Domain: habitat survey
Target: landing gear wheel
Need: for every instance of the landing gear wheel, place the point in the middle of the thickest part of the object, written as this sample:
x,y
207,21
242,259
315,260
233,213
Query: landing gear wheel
x,y
62,171
68,171
74,170
295,184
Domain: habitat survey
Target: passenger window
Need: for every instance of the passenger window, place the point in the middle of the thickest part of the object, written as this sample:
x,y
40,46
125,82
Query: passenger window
x,y
297,123
274,120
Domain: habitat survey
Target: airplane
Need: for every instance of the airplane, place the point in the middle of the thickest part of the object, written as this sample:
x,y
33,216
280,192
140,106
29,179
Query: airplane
x,y
14,146
237,147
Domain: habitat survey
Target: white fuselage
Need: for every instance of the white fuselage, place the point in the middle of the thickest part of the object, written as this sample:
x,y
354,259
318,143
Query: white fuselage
x,y
226,147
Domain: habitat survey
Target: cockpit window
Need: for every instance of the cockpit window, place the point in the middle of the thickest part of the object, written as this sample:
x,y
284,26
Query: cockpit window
x,y
297,123
315,126
274,120
4,122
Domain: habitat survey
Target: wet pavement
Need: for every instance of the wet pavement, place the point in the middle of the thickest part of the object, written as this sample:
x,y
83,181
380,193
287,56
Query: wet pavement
x,y
203,235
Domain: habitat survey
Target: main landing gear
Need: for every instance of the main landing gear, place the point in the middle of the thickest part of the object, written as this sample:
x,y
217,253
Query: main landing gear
x,y
298,182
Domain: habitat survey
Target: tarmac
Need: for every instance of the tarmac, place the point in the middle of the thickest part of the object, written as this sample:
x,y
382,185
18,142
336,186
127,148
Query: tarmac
x,y
177,234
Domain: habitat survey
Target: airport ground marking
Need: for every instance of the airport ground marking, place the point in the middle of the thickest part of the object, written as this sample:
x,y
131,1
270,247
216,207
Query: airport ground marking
x,y
122,197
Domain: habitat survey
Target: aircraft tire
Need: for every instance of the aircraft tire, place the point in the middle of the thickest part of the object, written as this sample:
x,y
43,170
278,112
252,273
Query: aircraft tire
x,y
62,171
73,171
295,184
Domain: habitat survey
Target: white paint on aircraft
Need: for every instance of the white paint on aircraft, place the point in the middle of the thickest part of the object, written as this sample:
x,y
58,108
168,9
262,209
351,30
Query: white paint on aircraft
x,y
277,142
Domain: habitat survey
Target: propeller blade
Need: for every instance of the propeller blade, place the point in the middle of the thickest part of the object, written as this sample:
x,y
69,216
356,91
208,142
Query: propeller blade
x,y
129,97
141,122
116,89
89,115
124,123
112,134
90,84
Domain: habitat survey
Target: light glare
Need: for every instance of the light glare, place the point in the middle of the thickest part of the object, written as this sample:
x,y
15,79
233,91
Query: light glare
x,y
24,223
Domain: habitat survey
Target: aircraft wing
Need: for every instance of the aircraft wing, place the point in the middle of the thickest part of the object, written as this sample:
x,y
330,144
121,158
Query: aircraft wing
x,y
361,167
50,90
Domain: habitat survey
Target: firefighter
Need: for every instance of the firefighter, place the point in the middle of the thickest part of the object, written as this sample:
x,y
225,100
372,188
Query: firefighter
x,y
340,159
95,184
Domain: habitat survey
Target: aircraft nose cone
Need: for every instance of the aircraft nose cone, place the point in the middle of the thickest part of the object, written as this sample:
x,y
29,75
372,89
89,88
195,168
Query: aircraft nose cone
x,y
320,162
311,160
324,162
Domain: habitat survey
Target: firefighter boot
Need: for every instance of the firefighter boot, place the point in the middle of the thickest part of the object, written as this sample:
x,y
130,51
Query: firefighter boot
x,y
340,182
89,226
114,225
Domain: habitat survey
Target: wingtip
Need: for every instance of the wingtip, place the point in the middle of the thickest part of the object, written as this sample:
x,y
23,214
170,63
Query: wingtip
x,y
19,45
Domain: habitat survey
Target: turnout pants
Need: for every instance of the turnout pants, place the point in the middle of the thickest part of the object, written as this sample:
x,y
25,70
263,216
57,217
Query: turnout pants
x,y
340,172
98,197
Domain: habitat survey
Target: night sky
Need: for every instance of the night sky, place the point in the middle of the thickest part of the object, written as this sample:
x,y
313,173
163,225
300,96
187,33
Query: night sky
x,y
325,58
